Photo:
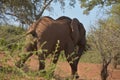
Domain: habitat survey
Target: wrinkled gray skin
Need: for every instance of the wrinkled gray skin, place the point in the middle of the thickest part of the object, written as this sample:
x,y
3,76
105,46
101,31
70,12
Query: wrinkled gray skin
x,y
70,33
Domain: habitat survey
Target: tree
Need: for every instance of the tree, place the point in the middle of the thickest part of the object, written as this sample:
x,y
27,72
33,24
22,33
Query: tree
x,y
105,40
28,11
88,5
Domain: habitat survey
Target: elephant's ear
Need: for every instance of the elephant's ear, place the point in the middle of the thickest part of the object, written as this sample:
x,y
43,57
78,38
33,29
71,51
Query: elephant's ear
x,y
75,30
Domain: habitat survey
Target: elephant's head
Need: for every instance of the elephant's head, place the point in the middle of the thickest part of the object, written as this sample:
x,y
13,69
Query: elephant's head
x,y
31,29
78,33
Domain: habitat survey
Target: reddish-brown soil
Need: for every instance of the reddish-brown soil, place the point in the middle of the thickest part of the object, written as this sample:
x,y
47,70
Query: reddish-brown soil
x,y
86,71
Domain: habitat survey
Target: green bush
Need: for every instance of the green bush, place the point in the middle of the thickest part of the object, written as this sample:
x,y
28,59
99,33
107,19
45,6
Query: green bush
x,y
10,37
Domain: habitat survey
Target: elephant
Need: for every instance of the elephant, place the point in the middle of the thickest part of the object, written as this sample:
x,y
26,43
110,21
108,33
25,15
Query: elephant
x,y
69,32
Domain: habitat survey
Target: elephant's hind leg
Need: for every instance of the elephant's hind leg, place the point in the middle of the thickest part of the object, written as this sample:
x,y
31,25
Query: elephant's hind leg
x,y
73,60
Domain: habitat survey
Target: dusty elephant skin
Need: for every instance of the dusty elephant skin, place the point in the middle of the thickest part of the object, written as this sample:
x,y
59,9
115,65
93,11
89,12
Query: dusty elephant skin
x,y
70,33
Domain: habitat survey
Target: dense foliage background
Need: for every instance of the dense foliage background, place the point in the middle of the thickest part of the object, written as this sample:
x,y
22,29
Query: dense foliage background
x,y
103,40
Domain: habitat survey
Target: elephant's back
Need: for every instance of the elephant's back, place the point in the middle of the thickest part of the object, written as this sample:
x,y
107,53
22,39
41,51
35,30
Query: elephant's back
x,y
56,31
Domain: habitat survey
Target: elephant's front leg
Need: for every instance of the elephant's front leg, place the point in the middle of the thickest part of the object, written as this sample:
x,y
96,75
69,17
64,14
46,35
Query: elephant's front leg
x,y
41,58
21,62
29,48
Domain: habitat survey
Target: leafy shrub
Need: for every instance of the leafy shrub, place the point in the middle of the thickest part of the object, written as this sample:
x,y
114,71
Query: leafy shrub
x,y
10,36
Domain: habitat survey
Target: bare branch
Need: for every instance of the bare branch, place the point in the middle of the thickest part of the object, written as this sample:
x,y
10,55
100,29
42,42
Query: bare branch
x,y
46,4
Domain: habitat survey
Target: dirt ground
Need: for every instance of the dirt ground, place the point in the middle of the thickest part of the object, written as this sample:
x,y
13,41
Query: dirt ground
x,y
86,71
